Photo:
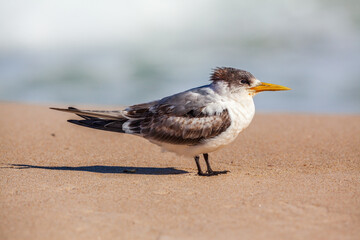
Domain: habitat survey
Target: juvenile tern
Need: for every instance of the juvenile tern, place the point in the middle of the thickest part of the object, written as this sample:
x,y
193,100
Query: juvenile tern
x,y
190,123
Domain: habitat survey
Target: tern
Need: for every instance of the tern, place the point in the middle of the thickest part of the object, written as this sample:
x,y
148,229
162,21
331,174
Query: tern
x,y
194,122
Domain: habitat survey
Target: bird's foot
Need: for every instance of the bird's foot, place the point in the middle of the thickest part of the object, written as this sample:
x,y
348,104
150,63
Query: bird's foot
x,y
212,173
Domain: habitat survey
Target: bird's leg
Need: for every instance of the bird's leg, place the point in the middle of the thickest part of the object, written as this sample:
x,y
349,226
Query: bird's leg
x,y
200,172
206,157
209,171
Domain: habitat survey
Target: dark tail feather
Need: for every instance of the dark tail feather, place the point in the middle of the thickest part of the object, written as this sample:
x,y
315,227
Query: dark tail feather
x,y
97,119
96,123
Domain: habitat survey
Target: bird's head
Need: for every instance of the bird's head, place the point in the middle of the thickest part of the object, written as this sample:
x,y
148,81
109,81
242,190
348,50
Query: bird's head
x,y
240,80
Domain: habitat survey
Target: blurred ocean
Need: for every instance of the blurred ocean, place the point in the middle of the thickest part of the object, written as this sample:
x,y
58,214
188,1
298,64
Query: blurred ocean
x,y
128,52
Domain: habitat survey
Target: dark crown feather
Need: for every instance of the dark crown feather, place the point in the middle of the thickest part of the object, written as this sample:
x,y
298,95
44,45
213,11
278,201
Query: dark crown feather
x,y
231,75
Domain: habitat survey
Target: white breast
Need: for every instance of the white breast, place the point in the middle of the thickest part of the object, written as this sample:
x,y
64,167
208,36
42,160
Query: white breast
x,y
241,116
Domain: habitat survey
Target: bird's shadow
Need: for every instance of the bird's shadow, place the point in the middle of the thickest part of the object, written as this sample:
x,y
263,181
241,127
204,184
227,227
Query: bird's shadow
x,y
106,169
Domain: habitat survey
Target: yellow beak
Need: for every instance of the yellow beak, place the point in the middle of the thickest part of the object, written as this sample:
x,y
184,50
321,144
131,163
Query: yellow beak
x,y
269,87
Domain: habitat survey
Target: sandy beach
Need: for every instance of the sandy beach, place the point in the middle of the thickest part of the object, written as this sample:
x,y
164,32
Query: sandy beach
x,y
292,176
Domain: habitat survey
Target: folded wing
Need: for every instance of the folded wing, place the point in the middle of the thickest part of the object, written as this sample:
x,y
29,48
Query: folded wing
x,y
161,123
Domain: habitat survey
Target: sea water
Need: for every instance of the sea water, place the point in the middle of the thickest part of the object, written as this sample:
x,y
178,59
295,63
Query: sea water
x,y
108,55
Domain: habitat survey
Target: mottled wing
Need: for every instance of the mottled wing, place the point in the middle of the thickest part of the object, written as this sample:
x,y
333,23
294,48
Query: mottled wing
x,y
186,118
187,129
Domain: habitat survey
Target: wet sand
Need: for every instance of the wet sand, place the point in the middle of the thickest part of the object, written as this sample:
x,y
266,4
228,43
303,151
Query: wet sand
x,y
292,176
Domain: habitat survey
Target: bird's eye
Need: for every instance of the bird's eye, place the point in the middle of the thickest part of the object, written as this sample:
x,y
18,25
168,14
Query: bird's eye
x,y
244,81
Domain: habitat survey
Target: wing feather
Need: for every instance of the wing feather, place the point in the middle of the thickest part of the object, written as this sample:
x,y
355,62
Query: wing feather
x,y
185,130
178,119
